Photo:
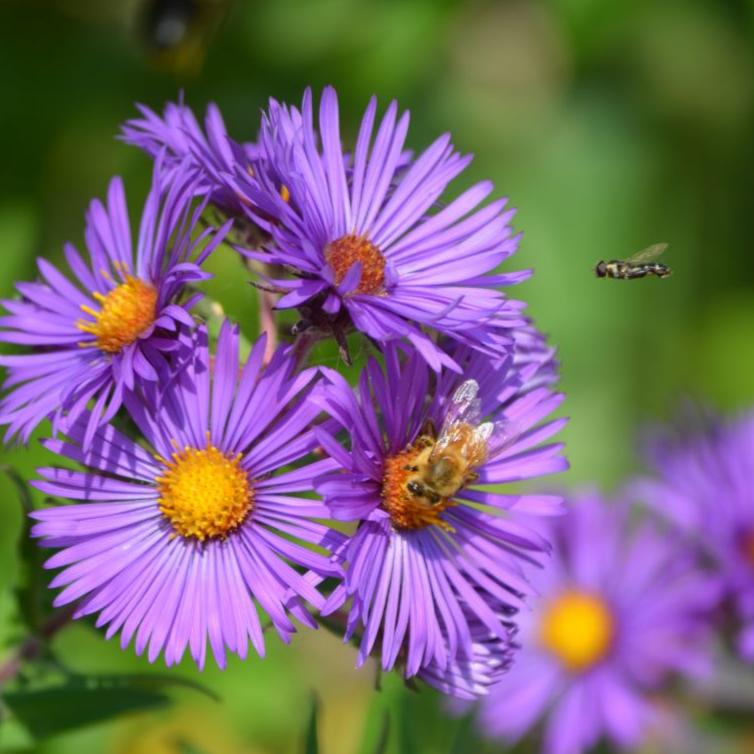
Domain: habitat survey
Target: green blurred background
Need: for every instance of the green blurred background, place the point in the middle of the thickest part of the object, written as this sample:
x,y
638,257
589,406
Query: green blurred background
x,y
610,125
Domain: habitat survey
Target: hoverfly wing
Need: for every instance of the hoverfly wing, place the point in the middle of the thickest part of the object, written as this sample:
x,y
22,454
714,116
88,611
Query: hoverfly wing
x,y
647,255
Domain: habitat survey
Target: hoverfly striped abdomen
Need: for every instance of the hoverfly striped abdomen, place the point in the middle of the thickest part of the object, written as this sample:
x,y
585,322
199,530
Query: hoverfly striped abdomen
x,y
640,265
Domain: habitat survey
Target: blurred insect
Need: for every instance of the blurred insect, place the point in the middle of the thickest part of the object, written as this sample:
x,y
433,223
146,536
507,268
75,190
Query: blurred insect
x,y
447,462
640,265
177,32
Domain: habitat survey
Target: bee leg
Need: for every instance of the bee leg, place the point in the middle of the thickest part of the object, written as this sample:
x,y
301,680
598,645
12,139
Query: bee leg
x,y
340,339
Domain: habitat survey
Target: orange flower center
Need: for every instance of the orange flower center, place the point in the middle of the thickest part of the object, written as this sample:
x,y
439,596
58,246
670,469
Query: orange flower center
x,y
125,312
578,628
343,253
204,493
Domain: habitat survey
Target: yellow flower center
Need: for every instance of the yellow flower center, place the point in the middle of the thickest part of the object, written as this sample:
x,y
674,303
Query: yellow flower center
x,y
204,493
578,629
343,253
125,312
407,509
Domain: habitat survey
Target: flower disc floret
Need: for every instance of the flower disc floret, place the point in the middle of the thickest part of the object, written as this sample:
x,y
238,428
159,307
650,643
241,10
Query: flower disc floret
x,y
125,313
343,253
204,493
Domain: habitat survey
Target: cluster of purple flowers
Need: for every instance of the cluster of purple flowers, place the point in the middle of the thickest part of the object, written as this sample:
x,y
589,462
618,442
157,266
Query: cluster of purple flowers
x,y
212,470
207,479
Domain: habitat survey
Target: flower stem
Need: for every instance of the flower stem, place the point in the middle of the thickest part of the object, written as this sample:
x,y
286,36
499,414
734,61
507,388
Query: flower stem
x,y
32,646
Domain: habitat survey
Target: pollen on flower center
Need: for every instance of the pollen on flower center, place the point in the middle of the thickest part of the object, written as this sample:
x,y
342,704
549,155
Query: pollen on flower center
x,y
125,312
343,253
578,628
408,510
204,493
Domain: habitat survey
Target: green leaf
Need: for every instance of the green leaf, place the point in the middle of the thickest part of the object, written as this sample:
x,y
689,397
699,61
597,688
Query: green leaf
x,y
32,595
405,743
21,485
84,700
727,721
384,737
310,745
186,747
463,736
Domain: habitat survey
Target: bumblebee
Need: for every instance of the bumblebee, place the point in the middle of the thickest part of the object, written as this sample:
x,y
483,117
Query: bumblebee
x,y
177,33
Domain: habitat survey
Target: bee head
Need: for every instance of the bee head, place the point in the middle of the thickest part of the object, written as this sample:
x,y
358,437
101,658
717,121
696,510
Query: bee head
x,y
416,489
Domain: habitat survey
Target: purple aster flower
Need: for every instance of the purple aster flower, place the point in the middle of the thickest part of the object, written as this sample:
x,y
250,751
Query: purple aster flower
x,y
472,673
115,324
366,237
434,568
184,540
703,486
620,608
180,137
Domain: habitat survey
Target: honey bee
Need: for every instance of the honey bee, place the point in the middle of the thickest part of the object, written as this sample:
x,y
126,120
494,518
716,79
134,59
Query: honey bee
x,y
446,462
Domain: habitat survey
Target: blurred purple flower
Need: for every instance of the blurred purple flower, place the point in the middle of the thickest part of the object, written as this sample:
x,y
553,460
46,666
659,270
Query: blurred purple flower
x,y
175,544
621,607
95,338
703,486
434,576
365,236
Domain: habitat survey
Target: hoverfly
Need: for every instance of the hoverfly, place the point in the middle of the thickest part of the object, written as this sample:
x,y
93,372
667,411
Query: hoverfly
x,y
640,265
447,461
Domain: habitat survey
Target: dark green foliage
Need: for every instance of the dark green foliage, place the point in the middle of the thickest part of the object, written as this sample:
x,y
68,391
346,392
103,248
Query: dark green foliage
x,y
84,700
311,745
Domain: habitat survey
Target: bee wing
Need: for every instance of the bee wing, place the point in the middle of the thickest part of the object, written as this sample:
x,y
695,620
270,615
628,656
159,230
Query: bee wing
x,y
464,408
504,433
648,254
464,405
476,450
